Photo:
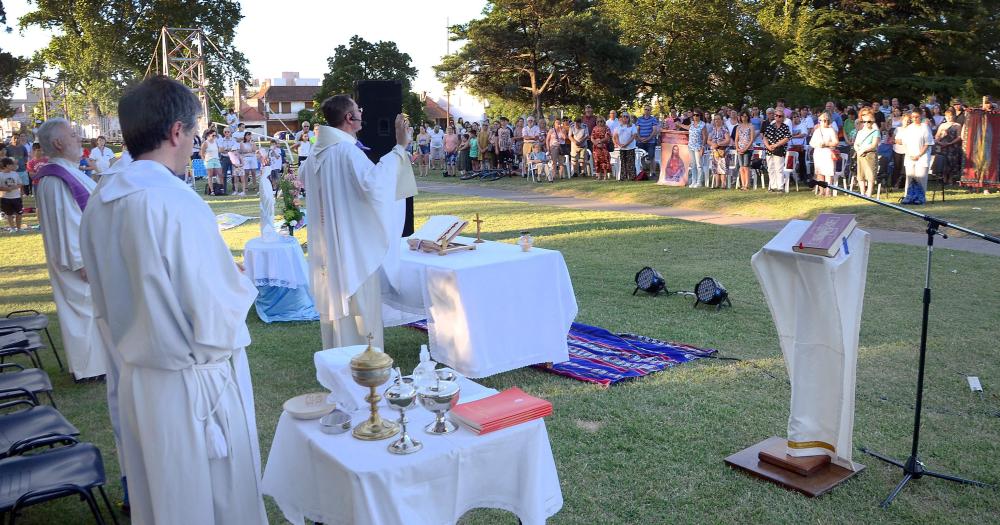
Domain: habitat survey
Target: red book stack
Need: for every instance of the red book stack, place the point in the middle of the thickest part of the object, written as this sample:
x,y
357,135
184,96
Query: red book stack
x,y
506,409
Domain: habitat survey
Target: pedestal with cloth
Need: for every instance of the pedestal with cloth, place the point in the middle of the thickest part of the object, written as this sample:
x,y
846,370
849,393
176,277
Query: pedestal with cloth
x,y
816,304
337,479
278,269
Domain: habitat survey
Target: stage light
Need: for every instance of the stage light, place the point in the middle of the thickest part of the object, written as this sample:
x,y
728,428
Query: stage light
x,y
649,281
711,292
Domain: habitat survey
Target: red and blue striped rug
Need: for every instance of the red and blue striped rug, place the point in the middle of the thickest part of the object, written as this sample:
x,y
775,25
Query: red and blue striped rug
x,y
605,358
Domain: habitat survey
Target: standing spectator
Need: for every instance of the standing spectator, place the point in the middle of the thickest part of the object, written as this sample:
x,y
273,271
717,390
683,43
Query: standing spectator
x,y
824,144
10,194
866,143
464,162
612,121
697,139
213,164
227,145
744,145
424,149
518,136
437,147
896,119
553,145
101,155
836,120
578,138
275,161
306,130
599,139
248,154
565,143
38,159
917,140
718,141
474,150
505,145
949,143
302,147
898,152
776,137
670,121
530,135
450,152
649,134
589,120
232,120
959,109
490,151
878,115
937,116
17,152
624,138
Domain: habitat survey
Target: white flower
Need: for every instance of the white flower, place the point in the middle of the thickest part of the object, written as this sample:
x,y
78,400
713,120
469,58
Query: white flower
x,y
293,223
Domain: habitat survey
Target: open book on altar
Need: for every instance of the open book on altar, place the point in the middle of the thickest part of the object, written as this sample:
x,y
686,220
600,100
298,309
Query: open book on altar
x,y
438,233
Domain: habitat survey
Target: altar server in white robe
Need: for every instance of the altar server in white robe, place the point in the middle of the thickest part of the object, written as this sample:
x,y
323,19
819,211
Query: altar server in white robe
x,y
176,304
356,212
63,192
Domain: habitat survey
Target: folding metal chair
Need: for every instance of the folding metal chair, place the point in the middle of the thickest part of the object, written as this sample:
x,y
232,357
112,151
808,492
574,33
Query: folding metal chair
x,y
31,321
19,428
72,470
24,383
21,343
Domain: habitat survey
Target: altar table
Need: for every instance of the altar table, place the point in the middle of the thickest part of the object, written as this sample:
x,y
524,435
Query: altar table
x,y
489,310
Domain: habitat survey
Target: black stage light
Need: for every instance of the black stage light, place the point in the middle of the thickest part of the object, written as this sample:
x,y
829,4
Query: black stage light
x,y
711,292
649,281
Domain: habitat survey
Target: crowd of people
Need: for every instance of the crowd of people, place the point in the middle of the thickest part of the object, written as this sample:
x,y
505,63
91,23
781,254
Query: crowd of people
x,y
877,138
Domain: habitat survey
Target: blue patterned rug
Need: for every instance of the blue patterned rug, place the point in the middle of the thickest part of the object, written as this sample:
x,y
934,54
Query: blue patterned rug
x,y
604,358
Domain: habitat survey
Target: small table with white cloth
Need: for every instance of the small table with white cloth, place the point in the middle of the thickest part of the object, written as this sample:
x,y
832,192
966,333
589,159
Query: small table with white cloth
x,y
278,269
337,479
816,303
488,310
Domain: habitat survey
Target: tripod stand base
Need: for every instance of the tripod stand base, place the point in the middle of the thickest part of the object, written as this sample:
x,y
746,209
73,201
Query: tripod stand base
x,y
914,469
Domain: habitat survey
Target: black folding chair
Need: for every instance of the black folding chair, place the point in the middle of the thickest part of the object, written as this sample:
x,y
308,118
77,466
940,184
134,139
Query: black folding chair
x,y
33,321
21,343
31,380
72,470
35,422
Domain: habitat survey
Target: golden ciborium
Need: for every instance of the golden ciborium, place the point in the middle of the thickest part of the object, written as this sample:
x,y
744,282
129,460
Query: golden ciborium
x,y
372,369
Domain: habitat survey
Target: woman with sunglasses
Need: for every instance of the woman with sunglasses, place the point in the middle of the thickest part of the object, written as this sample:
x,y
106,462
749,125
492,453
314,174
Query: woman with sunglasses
x,y
866,142
213,164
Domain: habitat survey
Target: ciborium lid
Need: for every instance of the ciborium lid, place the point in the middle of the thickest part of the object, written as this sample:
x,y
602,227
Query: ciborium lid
x,y
371,359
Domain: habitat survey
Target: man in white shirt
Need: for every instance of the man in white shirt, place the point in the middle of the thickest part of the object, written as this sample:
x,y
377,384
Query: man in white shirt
x,y
437,146
356,214
916,139
612,122
531,135
102,156
227,144
175,303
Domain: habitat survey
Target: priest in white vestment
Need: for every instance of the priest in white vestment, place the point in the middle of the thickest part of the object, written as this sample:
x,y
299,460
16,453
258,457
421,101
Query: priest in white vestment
x,y
62,195
356,211
176,305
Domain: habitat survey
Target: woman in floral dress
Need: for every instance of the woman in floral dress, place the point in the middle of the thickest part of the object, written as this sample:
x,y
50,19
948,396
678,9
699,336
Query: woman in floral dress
x,y
599,137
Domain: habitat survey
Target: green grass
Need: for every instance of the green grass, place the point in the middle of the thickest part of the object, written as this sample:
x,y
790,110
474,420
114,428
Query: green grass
x,y
651,450
972,210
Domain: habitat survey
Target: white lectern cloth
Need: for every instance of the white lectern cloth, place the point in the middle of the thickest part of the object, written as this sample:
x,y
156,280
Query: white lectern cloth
x,y
816,305
276,262
337,479
490,310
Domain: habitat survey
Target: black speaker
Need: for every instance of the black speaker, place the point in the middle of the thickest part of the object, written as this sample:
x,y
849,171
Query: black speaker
x,y
381,101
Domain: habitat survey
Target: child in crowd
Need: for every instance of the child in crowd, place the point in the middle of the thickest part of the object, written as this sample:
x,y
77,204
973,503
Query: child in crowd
x,y
10,193
538,157
474,151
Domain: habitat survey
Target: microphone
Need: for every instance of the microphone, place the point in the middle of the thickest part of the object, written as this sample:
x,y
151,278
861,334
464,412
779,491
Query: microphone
x,y
821,183
354,119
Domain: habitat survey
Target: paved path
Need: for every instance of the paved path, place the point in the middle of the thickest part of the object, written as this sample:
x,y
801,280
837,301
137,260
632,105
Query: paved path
x,y
768,225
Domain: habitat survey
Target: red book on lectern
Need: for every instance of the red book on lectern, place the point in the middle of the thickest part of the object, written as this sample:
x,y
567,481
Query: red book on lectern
x,y
508,408
826,234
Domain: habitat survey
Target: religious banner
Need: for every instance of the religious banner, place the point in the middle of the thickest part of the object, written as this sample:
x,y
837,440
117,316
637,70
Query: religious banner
x,y
981,149
674,158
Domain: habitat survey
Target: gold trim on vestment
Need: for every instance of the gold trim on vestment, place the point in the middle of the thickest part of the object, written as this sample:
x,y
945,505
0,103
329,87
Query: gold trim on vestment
x,y
811,444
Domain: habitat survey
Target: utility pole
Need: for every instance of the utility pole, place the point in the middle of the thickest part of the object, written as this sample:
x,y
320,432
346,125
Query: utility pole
x,y
447,51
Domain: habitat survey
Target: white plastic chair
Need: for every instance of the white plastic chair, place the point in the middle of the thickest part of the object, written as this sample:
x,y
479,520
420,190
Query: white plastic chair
x,y
791,164
616,169
640,155
839,169
537,171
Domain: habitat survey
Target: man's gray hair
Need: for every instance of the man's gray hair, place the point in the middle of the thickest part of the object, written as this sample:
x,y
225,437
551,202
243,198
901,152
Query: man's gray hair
x,y
49,131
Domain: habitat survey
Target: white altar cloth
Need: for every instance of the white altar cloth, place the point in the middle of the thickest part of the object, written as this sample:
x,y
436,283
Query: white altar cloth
x,y
337,479
490,310
816,303
277,262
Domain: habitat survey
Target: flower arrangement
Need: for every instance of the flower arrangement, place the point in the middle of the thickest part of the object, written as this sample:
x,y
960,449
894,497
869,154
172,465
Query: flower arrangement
x,y
291,188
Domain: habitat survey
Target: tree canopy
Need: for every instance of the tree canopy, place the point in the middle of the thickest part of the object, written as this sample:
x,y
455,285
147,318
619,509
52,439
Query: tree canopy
x,y
364,60
105,45
713,52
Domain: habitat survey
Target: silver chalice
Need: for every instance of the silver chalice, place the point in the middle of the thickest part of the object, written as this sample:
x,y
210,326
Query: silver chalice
x,y
402,396
439,398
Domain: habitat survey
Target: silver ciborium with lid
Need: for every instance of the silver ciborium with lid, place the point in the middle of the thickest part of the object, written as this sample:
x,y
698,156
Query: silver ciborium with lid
x,y
402,396
439,398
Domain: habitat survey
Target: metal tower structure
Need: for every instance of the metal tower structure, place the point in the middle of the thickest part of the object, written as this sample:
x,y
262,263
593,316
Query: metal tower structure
x,y
180,55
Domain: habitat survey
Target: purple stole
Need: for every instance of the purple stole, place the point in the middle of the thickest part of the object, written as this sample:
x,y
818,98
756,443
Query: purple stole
x,y
80,193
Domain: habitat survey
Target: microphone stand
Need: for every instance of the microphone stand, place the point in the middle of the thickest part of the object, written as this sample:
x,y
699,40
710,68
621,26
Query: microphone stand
x,y
913,468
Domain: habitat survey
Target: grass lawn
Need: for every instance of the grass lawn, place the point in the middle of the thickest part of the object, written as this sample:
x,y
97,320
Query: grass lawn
x,y
973,210
651,450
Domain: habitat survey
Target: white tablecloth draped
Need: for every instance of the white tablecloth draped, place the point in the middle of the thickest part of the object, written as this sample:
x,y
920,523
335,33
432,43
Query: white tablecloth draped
x,y
337,479
816,305
277,262
490,310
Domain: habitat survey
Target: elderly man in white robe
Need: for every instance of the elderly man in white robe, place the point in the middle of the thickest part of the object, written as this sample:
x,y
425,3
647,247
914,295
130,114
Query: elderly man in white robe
x,y
63,193
356,213
175,303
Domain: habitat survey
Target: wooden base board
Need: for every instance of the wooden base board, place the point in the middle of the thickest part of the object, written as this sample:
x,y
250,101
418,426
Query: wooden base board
x,y
823,479
775,453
